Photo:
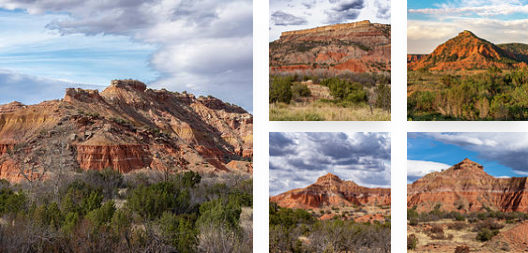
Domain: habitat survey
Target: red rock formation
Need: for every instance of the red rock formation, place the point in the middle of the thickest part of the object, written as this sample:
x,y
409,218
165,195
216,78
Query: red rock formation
x,y
415,57
129,127
515,239
11,107
358,47
330,190
465,187
370,218
467,51
123,158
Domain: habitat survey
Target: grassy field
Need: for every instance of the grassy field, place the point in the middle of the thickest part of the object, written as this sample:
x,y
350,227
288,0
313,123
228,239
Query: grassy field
x,y
447,237
325,111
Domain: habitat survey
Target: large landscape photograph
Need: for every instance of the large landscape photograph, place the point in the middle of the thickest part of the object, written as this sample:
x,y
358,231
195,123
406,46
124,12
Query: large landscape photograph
x,y
467,60
467,192
330,192
330,60
119,130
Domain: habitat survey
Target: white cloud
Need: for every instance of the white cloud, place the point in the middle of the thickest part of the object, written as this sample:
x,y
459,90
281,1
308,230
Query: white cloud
x,y
298,159
215,37
325,12
509,149
17,85
487,10
425,36
417,169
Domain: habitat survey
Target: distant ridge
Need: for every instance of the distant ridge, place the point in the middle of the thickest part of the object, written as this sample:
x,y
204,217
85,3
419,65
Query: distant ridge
x,y
330,190
466,187
467,51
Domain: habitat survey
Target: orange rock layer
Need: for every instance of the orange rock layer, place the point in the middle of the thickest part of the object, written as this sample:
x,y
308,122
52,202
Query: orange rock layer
x,y
126,127
467,51
465,187
357,47
330,190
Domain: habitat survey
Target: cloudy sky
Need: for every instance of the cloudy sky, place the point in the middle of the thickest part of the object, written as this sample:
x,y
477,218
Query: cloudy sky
x,y
298,159
287,15
432,22
501,154
204,47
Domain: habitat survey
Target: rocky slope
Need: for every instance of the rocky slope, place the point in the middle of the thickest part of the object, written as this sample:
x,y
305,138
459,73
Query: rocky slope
x,y
126,127
358,47
465,187
512,240
330,190
467,51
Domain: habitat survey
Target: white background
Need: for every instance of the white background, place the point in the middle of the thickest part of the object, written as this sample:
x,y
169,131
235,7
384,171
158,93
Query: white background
x,y
398,127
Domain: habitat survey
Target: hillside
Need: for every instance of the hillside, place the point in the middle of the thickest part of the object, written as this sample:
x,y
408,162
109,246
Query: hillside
x,y
358,47
466,51
466,187
126,127
330,190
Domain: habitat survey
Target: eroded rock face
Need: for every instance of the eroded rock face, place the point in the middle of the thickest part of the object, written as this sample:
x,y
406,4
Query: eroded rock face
x,y
465,187
467,51
516,239
357,47
128,127
330,190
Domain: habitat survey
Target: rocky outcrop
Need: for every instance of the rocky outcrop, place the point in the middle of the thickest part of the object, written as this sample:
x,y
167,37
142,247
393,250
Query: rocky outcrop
x,y
330,190
415,57
466,187
514,239
357,47
11,107
128,127
467,51
123,158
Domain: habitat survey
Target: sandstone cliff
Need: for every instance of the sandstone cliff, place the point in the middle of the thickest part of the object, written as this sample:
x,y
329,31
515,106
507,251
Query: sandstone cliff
x,y
465,187
466,51
126,127
358,47
330,190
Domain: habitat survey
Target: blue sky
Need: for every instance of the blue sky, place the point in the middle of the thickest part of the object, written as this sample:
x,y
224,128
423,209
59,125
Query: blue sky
x,y
501,154
431,23
299,159
288,15
201,47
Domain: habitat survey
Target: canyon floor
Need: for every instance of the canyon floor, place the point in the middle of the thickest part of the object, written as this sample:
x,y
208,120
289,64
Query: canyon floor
x,y
446,235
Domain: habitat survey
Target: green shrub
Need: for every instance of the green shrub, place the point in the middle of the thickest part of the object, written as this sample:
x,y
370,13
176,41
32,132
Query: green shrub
x,y
485,234
179,231
280,89
301,91
412,242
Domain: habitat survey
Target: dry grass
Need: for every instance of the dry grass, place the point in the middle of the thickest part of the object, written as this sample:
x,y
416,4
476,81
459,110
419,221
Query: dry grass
x,y
325,112
464,236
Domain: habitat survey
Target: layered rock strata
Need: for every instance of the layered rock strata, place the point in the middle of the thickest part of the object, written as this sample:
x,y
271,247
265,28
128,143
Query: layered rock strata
x,y
126,127
466,51
466,187
330,190
357,47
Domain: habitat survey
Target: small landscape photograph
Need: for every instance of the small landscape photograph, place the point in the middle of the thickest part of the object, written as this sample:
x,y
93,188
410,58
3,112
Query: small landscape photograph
x,y
467,60
466,192
330,60
330,192
126,126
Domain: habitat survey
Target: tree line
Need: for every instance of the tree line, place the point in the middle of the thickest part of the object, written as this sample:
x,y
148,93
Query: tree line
x,y
104,211
492,95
